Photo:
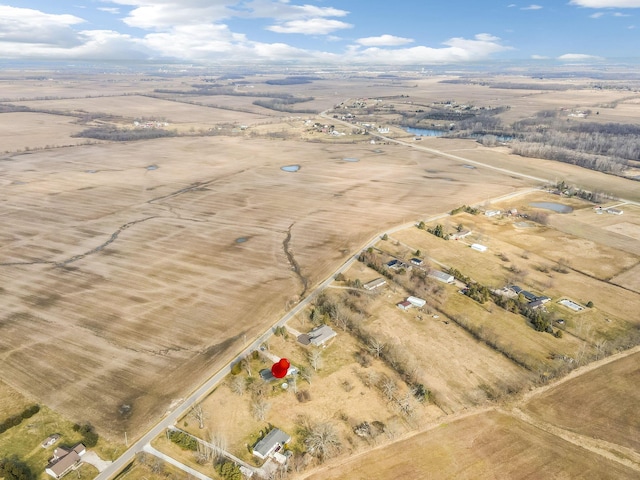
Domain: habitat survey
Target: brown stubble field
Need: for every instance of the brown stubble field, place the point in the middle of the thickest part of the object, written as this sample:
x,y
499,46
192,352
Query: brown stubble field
x,y
482,446
125,286
608,398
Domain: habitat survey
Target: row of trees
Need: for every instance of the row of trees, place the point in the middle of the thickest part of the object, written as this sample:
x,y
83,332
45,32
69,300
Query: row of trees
x,y
15,420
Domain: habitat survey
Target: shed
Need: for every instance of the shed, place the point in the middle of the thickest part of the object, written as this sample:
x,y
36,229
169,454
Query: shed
x,y
478,247
373,284
442,276
272,442
416,302
416,261
406,305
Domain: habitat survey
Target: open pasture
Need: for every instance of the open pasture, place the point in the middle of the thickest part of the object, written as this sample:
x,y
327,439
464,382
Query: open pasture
x,y
461,371
143,265
483,446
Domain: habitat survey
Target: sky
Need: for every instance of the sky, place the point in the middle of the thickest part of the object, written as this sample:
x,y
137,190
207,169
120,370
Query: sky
x,y
350,32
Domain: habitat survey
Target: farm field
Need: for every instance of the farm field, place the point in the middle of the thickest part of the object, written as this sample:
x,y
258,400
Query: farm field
x,y
132,271
22,131
133,248
132,107
610,412
485,445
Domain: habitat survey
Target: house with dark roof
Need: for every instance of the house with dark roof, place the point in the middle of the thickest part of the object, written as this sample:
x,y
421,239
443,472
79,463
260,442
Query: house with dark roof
x,y
393,264
65,460
273,442
416,261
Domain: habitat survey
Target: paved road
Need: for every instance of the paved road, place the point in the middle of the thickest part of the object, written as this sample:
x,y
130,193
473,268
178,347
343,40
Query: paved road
x,y
194,473
205,388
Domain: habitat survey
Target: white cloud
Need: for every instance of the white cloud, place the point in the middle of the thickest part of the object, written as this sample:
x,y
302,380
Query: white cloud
x,y
24,25
456,50
606,3
511,5
384,41
618,14
631,27
283,10
193,30
578,57
532,7
312,26
114,10
539,57
596,15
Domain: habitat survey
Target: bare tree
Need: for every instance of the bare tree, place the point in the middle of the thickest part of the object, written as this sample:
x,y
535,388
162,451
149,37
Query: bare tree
x,y
219,444
407,405
238,385
246,364
376,347
204,453
342,318
389,388
259,408
198,413
157,466
315,359
321,440
306,374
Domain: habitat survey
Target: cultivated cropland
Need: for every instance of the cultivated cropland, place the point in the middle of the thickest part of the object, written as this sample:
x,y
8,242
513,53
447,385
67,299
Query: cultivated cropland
x,y
155,224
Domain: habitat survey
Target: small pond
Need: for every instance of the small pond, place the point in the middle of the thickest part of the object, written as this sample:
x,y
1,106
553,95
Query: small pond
x,y
351,159
425,132
241,239
152,167
556,207
290,168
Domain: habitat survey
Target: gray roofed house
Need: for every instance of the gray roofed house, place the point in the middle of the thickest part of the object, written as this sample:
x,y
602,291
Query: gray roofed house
x,y
320,335
442,276
64,460
272,442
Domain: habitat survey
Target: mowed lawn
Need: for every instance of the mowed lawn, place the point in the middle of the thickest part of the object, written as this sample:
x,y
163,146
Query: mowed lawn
x,y
608,399
484,446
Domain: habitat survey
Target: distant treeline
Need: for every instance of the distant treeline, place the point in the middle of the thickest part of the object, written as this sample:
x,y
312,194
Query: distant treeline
x,y
293,80
515,86
606,147
116,134
476,121
283,104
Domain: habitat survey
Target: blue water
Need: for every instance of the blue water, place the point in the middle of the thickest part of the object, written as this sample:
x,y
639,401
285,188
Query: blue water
x,y
425,132
556,207
429,132
351,159
290,168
